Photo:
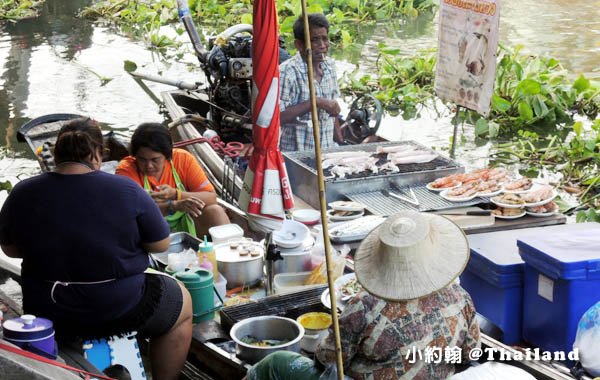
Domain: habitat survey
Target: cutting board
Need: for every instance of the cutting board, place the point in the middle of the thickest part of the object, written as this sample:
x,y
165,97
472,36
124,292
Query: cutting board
x,y
467,222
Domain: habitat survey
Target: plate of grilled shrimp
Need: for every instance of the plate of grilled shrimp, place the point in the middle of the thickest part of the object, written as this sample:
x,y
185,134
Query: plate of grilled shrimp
x,y
539,196
518,186
442,184
461,193
547,209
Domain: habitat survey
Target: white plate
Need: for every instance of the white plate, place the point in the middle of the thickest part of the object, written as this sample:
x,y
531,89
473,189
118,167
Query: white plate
x,y
307,216
542,202
492,194
340,218
518,191
348,238
444,194
341,281
541,214
437,189
506,205
509,217
347,206
326,301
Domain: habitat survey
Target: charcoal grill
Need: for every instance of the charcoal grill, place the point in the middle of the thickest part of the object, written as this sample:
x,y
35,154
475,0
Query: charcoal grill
x,y
291,305
301,168
379,204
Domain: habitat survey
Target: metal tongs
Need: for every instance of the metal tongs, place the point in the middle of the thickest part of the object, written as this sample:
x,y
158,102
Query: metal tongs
x,y
412,200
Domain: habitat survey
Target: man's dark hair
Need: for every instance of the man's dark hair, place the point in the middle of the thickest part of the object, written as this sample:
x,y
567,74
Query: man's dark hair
x,y
314,20
153,136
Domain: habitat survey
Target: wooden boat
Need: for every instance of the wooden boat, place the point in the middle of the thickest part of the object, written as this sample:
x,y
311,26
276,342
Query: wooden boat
x,y
211,350
40,134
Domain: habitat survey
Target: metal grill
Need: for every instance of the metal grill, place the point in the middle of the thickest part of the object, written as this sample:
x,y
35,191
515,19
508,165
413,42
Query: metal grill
x,y
286,305
303,175
379,204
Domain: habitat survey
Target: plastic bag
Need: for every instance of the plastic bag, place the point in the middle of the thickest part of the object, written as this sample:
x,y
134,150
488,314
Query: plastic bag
x,y
338,261
587,338
493,371
330,373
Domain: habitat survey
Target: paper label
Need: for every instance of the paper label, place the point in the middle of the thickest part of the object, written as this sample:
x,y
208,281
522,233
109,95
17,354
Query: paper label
x,y
546,288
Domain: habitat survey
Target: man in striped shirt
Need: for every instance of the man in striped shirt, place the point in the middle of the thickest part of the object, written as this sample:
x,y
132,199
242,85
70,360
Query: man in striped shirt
x,y
295,105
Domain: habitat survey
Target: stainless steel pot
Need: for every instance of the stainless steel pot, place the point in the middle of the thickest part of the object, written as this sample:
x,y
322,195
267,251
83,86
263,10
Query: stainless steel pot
x,y
240,270
295,259
268,328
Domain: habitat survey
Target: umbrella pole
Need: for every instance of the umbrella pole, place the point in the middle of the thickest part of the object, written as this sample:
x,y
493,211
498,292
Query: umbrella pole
x,y
317,138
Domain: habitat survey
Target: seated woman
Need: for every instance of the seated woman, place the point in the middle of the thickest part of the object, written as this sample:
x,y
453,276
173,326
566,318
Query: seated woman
x,y
174,179
83,267
410,305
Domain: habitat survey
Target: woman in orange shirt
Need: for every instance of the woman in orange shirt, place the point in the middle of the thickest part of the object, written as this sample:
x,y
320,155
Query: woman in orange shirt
x,y
174,179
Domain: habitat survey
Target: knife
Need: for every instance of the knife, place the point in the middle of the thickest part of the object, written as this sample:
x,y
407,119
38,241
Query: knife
x,y
472,213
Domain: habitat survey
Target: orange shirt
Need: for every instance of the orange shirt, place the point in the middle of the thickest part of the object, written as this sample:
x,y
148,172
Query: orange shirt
x,y
190,172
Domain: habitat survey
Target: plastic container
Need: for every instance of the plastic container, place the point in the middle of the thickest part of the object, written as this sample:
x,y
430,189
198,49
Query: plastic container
x,y
291,282
32,334
562,281
200,284
494,279
206,252
225,232
221,288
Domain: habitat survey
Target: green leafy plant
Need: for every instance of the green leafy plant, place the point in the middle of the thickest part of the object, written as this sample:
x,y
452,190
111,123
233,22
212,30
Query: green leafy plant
x,y
14,10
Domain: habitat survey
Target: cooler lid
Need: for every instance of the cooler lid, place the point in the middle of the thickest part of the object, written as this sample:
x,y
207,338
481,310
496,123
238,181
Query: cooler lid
x,y
572,253
27,327
497,250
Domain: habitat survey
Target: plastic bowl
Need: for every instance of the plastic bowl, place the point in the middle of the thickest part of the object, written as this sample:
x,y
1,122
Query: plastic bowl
x,y
307,216
315,322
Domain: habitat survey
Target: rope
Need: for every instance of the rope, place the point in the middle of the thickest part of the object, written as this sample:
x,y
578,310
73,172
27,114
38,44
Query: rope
x,y
231,149
31,355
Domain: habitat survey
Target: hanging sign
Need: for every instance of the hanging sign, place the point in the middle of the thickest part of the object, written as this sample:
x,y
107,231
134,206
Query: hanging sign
x,y
467,46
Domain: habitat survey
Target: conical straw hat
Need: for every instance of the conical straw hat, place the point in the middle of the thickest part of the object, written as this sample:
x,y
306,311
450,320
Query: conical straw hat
x,y
411,255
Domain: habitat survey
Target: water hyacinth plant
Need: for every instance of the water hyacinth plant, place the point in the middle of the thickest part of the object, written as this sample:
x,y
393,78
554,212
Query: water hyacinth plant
x,y
14,10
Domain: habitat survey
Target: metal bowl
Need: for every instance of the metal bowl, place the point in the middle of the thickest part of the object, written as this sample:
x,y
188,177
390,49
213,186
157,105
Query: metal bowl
x,y
268,328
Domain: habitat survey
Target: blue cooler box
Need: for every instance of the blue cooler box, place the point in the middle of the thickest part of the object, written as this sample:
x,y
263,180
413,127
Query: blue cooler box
x,y
494,279
562,280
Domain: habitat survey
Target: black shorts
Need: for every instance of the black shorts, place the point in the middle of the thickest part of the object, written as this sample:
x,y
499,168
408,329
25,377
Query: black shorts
x,y
154,315
166,309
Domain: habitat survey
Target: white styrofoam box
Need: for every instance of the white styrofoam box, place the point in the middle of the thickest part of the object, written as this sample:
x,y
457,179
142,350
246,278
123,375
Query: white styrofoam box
x,y
225,232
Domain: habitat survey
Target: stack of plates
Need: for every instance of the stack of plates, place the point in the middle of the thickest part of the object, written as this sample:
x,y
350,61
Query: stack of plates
x,y
345,210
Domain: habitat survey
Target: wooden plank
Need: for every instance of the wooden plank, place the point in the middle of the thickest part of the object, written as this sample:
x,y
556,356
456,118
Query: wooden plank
x,y
524,222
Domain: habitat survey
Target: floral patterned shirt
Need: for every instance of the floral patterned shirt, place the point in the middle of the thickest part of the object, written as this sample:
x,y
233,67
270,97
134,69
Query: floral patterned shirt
x,y
294,89
390,340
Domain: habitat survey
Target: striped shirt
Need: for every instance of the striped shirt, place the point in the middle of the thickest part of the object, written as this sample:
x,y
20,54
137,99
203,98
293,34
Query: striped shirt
x,y
294,90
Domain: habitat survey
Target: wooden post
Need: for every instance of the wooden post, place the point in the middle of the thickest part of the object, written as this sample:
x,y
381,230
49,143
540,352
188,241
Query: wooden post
x,y
322,200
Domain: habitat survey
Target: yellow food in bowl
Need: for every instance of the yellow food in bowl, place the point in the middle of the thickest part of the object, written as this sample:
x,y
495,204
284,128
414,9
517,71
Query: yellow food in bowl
x,y
315,321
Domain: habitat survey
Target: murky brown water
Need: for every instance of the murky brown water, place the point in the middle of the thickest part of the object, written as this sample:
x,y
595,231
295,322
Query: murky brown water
x,y
53,64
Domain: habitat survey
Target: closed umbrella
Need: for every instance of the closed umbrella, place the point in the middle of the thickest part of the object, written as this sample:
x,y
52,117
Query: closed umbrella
x,y
266,190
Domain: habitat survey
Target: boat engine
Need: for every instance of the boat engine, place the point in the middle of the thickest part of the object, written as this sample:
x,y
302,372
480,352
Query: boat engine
x,y
227,65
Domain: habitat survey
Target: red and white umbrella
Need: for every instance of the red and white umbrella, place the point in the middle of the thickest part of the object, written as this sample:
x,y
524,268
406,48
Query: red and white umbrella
x,y
266,190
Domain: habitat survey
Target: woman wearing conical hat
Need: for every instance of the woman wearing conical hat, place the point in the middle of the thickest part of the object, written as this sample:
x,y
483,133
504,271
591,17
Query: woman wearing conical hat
x,y
411,321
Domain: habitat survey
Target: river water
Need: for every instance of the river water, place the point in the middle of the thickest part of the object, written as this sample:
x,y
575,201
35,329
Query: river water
x,y
54,64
